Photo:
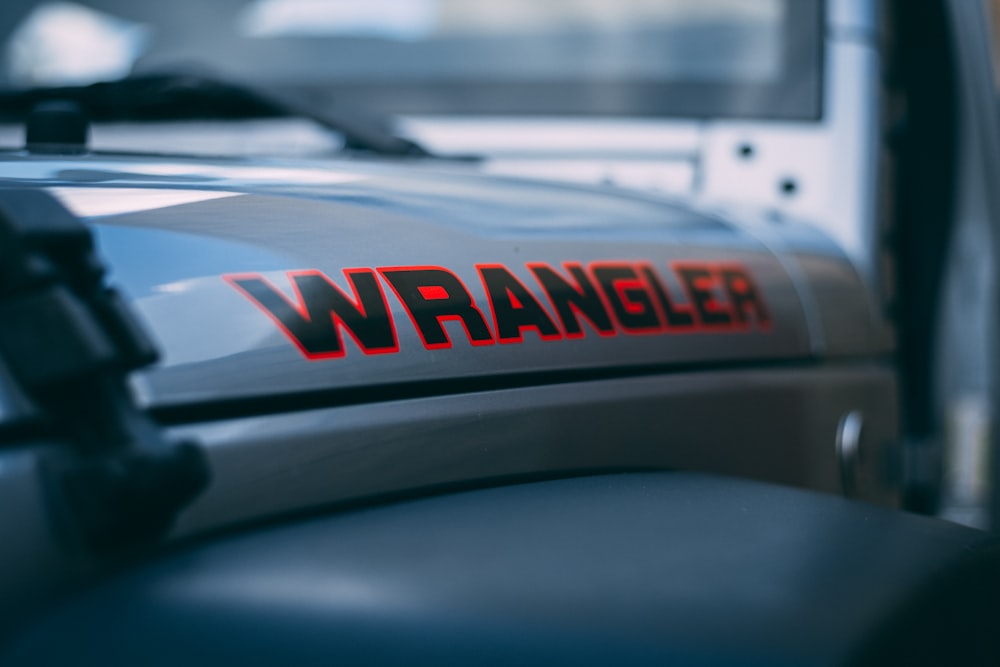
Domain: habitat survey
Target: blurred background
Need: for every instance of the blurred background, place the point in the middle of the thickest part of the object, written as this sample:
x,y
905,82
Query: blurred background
x,y
770,108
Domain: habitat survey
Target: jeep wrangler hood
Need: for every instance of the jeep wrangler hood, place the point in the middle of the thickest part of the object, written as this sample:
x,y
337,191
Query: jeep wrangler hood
x,y
273,278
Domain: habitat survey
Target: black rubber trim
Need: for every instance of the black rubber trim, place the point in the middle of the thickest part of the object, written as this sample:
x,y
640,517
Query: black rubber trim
x,y
254,406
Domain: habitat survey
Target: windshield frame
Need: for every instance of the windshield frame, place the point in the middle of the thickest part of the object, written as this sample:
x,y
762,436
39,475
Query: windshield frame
x,y
796,96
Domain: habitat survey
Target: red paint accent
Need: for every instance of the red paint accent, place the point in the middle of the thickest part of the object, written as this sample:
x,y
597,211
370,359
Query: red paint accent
x,y
431,292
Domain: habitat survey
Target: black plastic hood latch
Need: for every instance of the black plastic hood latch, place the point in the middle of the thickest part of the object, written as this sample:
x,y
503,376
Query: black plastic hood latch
x,y
70,341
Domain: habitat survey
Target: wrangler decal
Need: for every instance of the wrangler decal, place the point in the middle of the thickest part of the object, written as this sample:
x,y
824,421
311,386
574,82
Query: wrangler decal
x,y
606,298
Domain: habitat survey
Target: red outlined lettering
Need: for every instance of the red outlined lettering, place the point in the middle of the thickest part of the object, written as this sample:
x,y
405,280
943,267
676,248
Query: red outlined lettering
x,y
514,307
704,289
612,297
573,298
628,295
322,309
432,295
678,319
747,303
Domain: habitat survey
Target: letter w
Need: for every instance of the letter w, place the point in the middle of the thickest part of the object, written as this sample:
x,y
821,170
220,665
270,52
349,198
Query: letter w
x,y
314,320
